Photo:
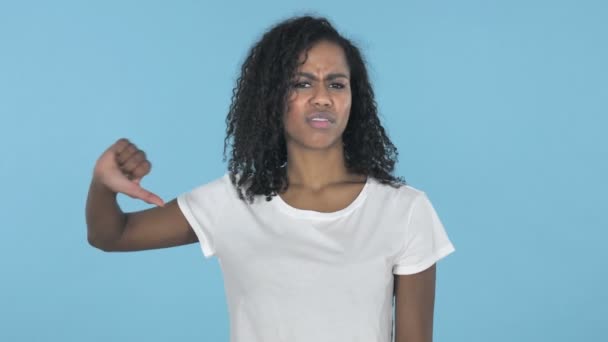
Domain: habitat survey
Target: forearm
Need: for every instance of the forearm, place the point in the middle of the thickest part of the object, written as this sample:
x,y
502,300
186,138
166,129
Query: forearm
x,y
415,303
105,219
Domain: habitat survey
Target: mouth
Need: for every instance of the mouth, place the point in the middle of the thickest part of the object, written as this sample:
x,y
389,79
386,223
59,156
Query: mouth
x,y
320,120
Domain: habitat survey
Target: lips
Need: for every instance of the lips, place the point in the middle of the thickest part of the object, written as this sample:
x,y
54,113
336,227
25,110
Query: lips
x,y
321,120
321,117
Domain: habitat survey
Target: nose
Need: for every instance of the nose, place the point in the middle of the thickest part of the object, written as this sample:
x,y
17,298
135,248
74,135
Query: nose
x,y
321,97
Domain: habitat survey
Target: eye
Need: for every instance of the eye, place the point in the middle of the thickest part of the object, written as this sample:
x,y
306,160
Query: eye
x,y
302,84
337,85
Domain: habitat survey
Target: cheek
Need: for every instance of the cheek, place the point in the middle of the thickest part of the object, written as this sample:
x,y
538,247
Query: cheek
x,y
346,106
289,116
345,99
294,106
292,102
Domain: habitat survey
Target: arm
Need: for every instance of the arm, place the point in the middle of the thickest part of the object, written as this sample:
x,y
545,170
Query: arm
x,y
415,302
109,229
120,169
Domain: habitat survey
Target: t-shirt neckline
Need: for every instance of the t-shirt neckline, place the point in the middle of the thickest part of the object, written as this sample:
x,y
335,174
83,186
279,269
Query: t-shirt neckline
x,y
317,215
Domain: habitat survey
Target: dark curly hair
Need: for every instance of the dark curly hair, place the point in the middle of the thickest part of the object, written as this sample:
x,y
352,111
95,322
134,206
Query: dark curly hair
x,y
255,119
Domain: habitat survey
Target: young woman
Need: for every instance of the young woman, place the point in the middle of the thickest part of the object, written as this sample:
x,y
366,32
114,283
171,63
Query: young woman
x,y
313,232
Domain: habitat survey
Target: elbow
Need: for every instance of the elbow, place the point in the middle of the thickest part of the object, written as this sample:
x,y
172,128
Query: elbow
x,y
100,244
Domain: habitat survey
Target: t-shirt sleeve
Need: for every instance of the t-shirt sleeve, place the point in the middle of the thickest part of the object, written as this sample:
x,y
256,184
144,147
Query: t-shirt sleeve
x,y
203,208
426,240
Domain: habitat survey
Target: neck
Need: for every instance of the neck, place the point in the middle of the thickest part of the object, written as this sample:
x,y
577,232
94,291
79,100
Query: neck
x,y
316,169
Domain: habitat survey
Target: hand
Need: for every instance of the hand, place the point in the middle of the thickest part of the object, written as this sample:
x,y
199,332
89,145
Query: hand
x,y
121,168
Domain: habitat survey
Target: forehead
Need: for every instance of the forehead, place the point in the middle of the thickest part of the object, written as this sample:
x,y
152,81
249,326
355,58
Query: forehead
x,y
324,56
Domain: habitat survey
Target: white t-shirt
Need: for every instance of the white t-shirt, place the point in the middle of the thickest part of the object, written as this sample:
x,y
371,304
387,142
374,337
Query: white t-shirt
x,y
299,275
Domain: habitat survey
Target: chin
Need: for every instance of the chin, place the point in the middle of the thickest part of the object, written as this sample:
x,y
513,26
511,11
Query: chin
x,y
319,144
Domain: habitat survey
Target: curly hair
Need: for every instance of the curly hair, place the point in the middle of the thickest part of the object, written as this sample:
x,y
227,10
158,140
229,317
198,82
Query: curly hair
x,y
255,118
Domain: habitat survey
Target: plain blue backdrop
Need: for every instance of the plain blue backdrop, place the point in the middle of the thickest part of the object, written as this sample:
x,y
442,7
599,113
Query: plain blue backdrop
x,y
498,109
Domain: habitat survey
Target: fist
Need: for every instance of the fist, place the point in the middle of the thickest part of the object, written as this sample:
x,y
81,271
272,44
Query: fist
x,y
121,168
130,160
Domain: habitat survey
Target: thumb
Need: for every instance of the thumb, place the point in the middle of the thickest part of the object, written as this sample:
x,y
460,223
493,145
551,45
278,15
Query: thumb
x,y
136,191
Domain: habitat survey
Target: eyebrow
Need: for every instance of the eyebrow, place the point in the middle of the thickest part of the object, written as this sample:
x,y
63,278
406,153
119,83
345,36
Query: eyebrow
x,y
329,77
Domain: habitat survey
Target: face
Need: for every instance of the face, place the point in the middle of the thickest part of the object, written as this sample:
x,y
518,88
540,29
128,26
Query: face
x,y
319,101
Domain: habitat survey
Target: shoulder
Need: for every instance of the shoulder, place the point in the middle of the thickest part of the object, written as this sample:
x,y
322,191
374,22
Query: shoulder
x,y
400,192
218,187
396,201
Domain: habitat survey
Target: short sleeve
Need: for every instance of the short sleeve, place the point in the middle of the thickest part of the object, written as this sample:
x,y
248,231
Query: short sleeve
x,y
426,240
203,208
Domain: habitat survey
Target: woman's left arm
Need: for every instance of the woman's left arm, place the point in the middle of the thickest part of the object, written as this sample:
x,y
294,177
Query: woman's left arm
x,y
415,302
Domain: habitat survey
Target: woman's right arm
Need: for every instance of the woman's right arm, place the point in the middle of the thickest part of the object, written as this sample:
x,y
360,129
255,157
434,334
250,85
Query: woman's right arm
x,y
120,170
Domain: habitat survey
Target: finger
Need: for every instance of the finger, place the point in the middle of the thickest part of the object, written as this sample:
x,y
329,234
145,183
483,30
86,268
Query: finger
x,y
142,169
126,153
137,191
131,163
120,145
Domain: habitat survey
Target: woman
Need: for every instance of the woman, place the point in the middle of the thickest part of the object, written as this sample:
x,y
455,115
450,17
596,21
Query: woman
x,y
313,232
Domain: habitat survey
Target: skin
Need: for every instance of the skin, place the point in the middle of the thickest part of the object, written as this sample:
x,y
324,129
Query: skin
x,y
317,174
319,180
316,171
415,302
120,170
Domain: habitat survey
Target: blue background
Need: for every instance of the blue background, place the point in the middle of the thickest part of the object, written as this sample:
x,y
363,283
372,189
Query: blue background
x,y
499,111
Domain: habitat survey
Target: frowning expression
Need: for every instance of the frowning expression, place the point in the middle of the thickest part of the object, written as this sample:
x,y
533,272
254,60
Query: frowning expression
x,y
319,101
